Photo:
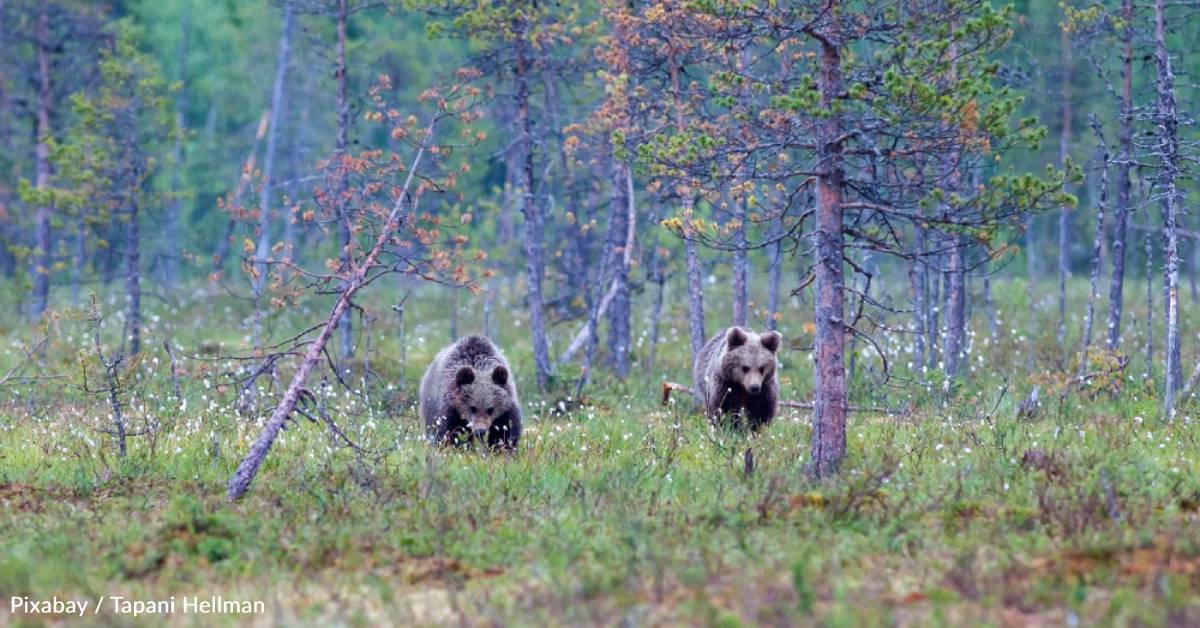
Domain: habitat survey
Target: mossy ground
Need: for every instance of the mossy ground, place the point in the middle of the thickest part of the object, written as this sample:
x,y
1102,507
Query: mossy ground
x,y
951,510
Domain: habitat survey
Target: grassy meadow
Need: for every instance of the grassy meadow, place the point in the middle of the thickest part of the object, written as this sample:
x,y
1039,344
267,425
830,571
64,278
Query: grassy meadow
x,y
950,510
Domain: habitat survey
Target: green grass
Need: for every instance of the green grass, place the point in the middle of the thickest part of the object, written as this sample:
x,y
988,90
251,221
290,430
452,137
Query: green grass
x,y
615,509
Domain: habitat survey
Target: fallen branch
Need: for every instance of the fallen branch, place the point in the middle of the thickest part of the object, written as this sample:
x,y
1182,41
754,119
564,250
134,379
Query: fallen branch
x,y
240,482
667,387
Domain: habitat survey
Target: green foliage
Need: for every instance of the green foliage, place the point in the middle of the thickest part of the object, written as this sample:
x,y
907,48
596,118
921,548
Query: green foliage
x,y
615,507
116,145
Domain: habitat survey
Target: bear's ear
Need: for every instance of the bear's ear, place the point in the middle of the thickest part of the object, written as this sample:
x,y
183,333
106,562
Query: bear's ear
x,y
464,376
771,340
500,376
736,337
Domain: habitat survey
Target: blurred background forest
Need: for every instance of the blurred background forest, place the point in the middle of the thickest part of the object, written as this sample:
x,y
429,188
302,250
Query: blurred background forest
x,y
231,228
612,150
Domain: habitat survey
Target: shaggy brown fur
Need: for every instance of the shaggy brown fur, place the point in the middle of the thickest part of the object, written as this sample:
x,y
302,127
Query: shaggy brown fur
x,y
735,378
468,392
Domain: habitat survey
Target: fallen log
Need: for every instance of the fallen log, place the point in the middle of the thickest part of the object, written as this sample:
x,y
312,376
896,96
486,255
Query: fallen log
x,y
240,482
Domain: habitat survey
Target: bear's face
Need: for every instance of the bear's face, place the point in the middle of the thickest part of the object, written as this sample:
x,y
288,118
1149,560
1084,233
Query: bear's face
x,y
480,400
749,358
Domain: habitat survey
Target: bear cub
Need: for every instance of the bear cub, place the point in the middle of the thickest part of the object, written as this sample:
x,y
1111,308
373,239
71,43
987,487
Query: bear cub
x,y
735,378
468,393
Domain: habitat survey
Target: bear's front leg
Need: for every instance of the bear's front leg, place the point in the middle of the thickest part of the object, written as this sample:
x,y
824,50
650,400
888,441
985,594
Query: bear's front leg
x,y
503,435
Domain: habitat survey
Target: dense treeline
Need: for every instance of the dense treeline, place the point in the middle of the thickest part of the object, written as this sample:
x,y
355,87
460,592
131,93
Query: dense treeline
x,y
883,163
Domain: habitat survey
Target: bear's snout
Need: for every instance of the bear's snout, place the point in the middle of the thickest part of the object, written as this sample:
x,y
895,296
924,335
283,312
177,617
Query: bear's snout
x,y
480,427
754,389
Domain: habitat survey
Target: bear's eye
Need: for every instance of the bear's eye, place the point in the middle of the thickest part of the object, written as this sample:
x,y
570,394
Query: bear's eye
x,y
745,369
762,369
490,410
474,409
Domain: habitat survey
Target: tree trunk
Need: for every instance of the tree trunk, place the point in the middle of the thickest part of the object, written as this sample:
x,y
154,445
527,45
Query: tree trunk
x,y
1121,225
625,262
169,248
774,275
829,403
658,277
1097,245
532,214
1064,213
620,248
1149,249
1167,120
504,222
222,252
80,258
1030,305
917,281
694,281
346,341
955,308
263,251
40,272
133,273
741,293
594,312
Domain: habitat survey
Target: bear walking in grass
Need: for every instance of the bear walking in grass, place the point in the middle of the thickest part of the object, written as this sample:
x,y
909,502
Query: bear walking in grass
x,y
735,377
468,393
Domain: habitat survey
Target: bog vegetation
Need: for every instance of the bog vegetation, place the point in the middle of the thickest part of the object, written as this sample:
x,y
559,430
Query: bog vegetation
x,y
235,236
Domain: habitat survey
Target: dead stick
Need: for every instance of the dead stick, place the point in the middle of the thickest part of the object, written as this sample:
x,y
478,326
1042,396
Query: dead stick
x,y
240,482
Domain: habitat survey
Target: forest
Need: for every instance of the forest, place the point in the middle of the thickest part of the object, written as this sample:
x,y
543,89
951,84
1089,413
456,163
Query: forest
x,y
607,312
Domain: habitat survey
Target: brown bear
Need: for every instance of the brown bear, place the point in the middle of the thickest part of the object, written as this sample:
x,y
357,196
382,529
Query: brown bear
x,y
735,378
467,393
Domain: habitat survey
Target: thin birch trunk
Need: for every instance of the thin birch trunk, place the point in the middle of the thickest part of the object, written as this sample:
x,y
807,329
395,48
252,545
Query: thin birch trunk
x,y
133,273
774,276
169,246
1030,304
1121,223
1097,244
222,252
1064,213
956,306
263,250
40,271
694,281
741,295
691,251
346,326
622,230
916,278
1167,120
531,211
1149,250
626,251
658,277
